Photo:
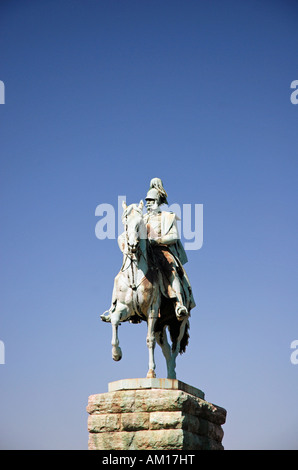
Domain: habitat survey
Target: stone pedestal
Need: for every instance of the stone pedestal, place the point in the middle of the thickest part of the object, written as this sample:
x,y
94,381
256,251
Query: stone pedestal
x,y
153,414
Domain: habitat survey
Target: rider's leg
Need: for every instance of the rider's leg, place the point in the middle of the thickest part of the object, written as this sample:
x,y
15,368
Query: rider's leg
x,y
180,309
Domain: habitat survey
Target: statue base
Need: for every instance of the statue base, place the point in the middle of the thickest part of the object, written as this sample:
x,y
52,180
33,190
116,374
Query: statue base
x,y
154,414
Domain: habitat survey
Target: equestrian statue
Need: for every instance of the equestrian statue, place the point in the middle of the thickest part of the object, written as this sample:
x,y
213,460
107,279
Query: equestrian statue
x,y
152,284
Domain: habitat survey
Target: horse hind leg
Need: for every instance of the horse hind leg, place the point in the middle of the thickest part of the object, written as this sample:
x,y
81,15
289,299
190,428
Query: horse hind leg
x,y
162,340
151,341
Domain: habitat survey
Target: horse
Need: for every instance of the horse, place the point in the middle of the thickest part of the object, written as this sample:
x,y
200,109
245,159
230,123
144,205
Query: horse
x,y
137,296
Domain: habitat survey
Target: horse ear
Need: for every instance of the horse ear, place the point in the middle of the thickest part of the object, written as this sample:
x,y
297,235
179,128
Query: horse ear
x,y
124,205
141,204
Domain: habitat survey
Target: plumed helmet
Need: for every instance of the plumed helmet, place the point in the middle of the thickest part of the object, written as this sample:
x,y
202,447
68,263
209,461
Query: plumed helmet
x,y
152,194
156,183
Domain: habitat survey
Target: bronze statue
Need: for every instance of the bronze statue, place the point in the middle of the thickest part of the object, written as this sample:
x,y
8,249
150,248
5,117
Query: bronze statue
x,y
152,284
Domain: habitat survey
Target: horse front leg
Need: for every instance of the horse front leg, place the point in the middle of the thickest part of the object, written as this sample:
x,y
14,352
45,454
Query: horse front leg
x,y
116,350
151,341
120,314
115,321
162,340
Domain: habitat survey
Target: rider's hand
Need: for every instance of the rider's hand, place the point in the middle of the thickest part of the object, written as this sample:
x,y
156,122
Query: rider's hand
x,y
153,241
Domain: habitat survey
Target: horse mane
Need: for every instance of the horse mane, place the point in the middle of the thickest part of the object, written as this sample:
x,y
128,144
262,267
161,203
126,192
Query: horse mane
x,y
129,209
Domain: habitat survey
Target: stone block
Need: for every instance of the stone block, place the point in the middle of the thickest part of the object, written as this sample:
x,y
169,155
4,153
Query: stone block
x,y
150,418
134,421
154,383
104,422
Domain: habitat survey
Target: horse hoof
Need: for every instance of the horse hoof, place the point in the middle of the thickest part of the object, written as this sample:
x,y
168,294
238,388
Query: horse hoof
x,y
151,374
117,354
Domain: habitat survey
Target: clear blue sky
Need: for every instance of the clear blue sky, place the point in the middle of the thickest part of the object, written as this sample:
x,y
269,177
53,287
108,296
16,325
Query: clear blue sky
x,y
101,96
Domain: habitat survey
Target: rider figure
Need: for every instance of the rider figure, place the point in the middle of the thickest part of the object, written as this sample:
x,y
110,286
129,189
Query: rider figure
x,y
167,252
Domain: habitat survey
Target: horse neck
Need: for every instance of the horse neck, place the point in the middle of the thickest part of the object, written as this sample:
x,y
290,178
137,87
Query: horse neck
x,y
136,267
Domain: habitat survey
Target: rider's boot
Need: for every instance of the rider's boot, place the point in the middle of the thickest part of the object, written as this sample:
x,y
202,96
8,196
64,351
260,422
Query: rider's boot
x,y
106,316
181,311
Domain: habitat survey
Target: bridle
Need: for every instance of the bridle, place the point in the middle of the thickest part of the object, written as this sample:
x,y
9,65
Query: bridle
x,y
132,255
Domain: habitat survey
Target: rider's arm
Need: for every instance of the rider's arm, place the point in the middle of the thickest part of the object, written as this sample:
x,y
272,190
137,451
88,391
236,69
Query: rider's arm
x,y
171,237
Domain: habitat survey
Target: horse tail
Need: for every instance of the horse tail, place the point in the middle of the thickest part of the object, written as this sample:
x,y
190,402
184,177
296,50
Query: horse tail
x,y
174,330
185,339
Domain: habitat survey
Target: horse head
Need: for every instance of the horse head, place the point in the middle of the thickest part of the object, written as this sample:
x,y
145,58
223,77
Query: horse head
x,y
134,227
